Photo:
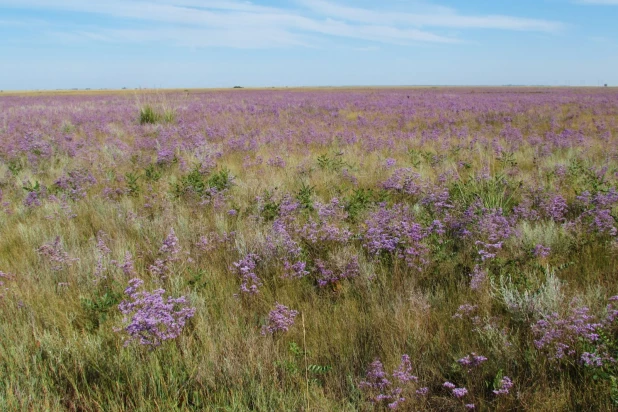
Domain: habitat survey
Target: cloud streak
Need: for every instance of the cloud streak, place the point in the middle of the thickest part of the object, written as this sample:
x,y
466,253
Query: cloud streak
x,y
447,18
228,23
599,2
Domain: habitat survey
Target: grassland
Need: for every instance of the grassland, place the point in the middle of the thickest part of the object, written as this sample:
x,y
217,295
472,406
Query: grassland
x,y
414,238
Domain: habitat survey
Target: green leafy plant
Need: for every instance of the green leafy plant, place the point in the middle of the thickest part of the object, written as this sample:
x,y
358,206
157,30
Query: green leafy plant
x,y
32,187
270,207
220,180
15,166
305,196
197,183
358,201
152,173
132,183
332,164
98,307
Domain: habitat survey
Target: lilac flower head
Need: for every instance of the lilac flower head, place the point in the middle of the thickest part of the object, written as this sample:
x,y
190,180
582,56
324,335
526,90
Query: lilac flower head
x,y
422,391
376,378
32,199
150,318
168,253
404,371
128,266
592,360
54,252
276,161
382,387
460,392
280,319
465,311
472,361
449,385
245,268
541,251
390,162
166,155
170,246
505,386
75,183
101,245
555,207
561,336
477,277
393,231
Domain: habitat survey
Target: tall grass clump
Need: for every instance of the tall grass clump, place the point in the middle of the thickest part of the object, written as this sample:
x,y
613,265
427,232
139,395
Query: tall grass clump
x,y
149,115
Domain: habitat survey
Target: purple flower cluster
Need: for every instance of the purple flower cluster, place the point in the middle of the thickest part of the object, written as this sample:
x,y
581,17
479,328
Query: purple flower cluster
x,y
389,390
472,361
455,391
598,216
55,254
541,251
33,199
75,183
492,229
329,275
249,281
477,277
276,161
505,386
212,240
280,319
564,337
168,253
555,207
393,231
404,181
151,319
127,266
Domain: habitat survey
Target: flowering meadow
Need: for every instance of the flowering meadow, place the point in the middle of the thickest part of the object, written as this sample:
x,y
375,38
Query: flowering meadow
x,y
427,249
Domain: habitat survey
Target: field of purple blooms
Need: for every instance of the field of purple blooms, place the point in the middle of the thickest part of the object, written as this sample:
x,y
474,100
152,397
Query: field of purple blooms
x,y
309,250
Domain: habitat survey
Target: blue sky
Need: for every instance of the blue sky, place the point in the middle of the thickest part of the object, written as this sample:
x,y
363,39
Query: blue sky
x,y
49,44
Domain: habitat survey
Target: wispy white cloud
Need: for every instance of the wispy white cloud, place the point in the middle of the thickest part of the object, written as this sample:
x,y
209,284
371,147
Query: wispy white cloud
x,y
599,2
230,23
446,18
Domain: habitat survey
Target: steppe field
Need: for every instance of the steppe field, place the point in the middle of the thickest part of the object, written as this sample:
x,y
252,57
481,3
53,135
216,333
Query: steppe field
x,y
417,249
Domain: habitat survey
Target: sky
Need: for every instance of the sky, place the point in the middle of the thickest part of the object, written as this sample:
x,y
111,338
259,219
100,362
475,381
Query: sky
x,y
63,44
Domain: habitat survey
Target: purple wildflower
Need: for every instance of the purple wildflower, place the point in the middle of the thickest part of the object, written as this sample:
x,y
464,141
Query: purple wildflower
x,y
505,386
381,387
460,392
560,336
449,385
245,268
280,319
56,255
168,253
472,361
422,391
128,266
591,360
151,318
32,199
477,278
541,251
